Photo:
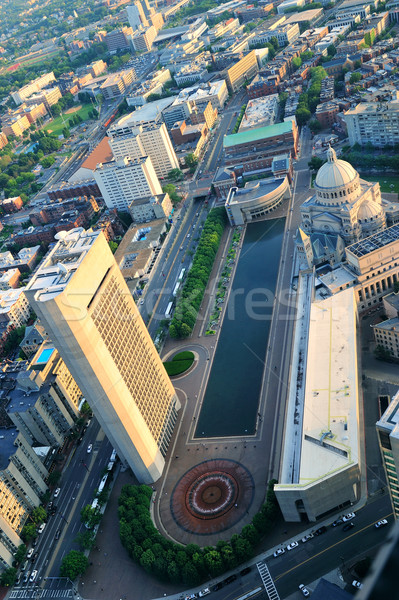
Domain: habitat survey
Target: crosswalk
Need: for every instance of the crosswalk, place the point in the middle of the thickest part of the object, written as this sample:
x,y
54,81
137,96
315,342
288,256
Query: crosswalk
x,y
37,594
267,581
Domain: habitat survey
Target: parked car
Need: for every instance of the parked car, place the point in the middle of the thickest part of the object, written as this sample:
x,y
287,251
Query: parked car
x,y
89,448
304,590
337,522
278,552
348,526
204,592
357,584
245,571
26,577
381,523
348,517
56,493
29,553
292,545
34,557
229,579
320,530
307,537
218,586
41,528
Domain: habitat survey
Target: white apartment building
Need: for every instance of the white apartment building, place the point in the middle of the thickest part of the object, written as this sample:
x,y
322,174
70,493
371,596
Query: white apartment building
x,y
14,307
388,439
374,123
148,140
122,181
31,88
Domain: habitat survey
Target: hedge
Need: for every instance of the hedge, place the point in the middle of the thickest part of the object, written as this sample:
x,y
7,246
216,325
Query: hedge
x,y
193,290
189,564
179,363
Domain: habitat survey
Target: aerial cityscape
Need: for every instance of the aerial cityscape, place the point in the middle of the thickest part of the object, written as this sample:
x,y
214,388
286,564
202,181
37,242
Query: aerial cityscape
x,y
199,299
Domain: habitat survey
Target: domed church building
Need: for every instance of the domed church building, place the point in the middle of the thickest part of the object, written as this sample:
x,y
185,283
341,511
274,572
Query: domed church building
x,y
344,205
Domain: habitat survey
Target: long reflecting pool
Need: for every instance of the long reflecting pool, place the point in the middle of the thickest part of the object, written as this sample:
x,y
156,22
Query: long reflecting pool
x,y
231,399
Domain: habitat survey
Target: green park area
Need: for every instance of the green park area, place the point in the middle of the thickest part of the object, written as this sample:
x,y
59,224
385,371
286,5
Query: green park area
x,y
179,363
57,125
388,183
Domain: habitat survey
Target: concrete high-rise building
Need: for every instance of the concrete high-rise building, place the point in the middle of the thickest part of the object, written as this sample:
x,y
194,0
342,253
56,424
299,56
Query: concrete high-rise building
x,y
142,40
86,307
388,439
148,140
123,181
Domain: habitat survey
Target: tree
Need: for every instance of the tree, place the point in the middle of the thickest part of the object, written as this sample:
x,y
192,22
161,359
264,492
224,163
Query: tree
x,y
74,564
56,110
90,516
331,50
8,577
315,126
39,515
47,161
315,163
54,477
355,77
20,553
296,62
382,353
85,540
191,161
302,115
66,133
274,42
29,532
175,175
113,246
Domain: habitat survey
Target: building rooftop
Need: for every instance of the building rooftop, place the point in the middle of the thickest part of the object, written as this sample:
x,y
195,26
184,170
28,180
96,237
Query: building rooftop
x,y
389,324
145,114
254,135
330,427
59,266
390,419
374,242
255,189
101,153
306,15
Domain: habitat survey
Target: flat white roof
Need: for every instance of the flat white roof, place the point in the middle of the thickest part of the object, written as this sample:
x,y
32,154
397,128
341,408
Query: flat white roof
x,y
330,422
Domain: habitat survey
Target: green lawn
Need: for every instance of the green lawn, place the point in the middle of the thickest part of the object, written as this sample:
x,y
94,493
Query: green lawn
x,y
179,363
57,125
388,183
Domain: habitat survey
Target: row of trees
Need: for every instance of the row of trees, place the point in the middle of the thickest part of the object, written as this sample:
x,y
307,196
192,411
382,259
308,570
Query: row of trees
x,y
189,564
194,287
310,99
239,118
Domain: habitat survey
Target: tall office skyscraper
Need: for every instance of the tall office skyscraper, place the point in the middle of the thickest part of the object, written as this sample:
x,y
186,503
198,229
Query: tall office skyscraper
x,y
87,309
149,140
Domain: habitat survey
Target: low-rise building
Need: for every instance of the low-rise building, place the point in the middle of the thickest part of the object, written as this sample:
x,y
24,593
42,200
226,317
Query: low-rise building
x,y
12,205
288,5
34,337
254,150
115,85
9,279
14,308
260,112
144,210
14,125
48,97
31,88
256,199
223,181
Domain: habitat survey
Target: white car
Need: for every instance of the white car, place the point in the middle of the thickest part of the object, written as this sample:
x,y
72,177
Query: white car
x,y
204,592
292,545
56,493
89,448
377,525
357,584
41,528
141,301
30,552
33,576
348,517
278,552
304,590
306,538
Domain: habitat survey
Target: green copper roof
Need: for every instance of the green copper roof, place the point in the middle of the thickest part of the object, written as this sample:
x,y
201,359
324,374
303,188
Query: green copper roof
x,y
253,135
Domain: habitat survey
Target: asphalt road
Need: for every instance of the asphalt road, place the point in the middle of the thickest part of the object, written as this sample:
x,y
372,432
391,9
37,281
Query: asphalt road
x,y
78,485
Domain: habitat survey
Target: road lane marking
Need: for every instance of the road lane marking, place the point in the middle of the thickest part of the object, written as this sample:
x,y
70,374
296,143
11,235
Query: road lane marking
x,y
329,548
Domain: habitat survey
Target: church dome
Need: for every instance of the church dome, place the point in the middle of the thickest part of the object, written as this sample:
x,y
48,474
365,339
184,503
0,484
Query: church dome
x,y
369,211
335,173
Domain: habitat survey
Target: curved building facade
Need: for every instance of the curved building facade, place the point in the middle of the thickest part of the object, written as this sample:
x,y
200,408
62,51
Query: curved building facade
x,y
256,199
